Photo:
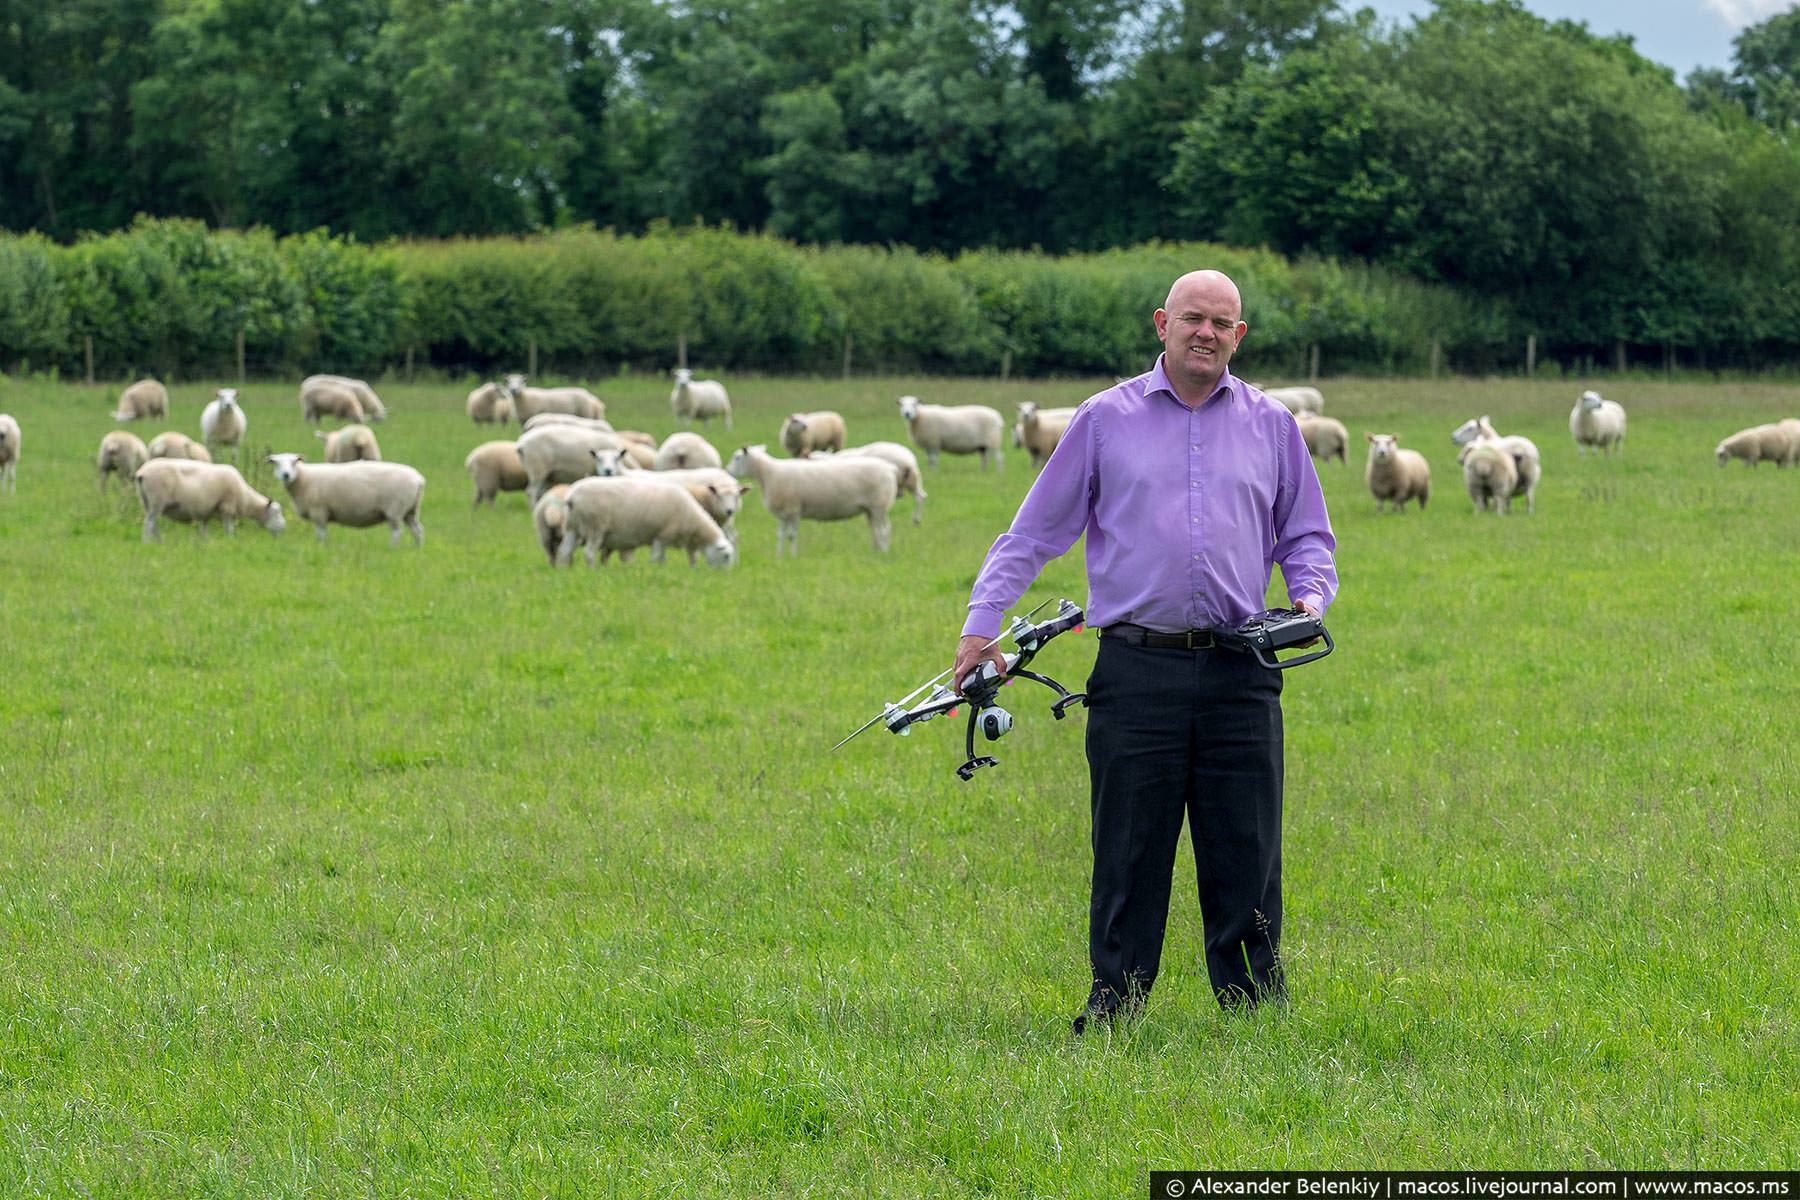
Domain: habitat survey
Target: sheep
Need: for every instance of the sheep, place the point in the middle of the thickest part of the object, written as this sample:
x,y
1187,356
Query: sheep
x,y
495,467
170,444
959,429
804,434
1297,399
560,454
222,422
121,454
195,491
542,419
718,492
549,516
9,453
1527,464
1759,443
352,443
358,494
1040,429
1791,427
609,515
528,402
681,450
1325,438
1396,474
320,396
145,398
372,407
698,399
489,404
902,460
1597,424
1490,474
823,489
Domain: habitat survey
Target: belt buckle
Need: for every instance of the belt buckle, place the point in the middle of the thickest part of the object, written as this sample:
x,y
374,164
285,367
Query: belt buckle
x,y
1199,639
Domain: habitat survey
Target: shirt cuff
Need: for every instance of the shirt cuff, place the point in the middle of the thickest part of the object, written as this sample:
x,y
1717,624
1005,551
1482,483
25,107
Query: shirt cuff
x,y
984,621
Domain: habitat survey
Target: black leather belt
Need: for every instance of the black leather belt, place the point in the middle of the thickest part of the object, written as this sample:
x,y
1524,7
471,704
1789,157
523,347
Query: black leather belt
x,y
1137,635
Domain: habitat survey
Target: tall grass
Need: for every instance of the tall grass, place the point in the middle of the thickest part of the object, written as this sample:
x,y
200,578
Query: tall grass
x,y
335,869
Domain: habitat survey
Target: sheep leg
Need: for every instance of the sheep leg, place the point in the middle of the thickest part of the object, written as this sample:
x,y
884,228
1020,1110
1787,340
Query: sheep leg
x,y
230,524
418,530
790,530
918,504
658,552
319,529
565,550
880,530
151,532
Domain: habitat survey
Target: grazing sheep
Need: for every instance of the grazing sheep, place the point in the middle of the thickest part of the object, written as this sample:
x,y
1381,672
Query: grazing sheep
x,y
1297,399
1490,474
560,454
556,418
121,454
366,399
9,453
1528,466
904,461
1396,474
195,491
549,516
957,429
623,513
1791,427
1040,429
698,399
178,445
718,492
1760,443
222,422
322,396
145,398
804,434
680,450
821,489
358,494
352,443
528,402
495,467
489,404
1597,424
1325,438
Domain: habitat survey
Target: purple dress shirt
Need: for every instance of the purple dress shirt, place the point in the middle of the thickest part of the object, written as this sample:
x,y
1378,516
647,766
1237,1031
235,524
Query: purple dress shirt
x,y
1184,509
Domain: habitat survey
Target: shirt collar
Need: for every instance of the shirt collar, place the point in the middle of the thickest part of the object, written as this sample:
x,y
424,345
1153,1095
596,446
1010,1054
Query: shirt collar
x,y
1159,382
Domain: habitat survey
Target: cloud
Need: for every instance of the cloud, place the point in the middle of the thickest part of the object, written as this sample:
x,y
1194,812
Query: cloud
x,y
1739,13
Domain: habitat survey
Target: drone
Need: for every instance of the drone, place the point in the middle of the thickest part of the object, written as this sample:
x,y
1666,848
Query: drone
x,y
983,684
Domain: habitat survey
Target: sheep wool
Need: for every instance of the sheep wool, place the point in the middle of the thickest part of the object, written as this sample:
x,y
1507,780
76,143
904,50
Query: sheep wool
x,y
183,490
1396,475
832,488
698,399
9,453
121,454
954,429
357,494
145,398
624,512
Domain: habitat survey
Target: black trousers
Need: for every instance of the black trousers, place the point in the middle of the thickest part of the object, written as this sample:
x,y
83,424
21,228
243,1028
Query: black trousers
x,y
1195,733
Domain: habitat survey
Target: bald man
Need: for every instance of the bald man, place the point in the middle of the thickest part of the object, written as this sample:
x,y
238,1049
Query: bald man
x,y
1189,484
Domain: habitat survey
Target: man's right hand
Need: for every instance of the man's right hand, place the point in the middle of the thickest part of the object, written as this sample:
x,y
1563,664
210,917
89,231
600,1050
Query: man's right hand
x,y
970,652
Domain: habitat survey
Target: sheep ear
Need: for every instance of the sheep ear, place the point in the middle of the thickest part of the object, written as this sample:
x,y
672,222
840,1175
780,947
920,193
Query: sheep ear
x,y
1370,436
745,489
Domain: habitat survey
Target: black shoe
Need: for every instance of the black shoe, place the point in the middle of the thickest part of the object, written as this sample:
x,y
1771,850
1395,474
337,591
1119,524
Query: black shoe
x,y
1092,1016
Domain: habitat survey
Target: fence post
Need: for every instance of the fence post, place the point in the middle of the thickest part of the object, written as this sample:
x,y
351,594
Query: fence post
x,y
87,341
240,355
681,349
1437,357
1619,355
1005,363
531,359
1313,376
409,364
849,341
1530,355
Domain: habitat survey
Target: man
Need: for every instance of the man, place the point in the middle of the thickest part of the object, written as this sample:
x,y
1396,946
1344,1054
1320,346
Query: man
x,y
1188,483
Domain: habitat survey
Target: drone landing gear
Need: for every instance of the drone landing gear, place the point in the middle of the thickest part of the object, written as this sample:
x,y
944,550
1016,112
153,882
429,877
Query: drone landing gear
x,y
995,722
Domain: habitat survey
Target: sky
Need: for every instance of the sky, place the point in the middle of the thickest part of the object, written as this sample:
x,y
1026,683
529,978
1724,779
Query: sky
x,y
1682,34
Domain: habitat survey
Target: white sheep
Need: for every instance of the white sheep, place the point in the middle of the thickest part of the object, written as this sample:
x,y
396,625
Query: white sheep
x,y
560,454
352,443
358,494
1297,399
622,513
366,399
903,461
549,516
170,444
222,421
121,454
832,488
1527,463
9,453
807,433
145,398
1490,474
1760,443
1325,437
1040,430
183,490
324,396
539,420
721,495
1597,424
489,404
495,467
1396,474
680,450
698,399
956,429
528,402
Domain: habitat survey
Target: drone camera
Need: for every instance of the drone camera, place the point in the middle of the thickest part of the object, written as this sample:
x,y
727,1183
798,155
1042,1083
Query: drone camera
x,y
995,723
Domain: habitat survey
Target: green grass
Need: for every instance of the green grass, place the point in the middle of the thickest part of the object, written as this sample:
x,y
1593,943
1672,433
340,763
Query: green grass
x,y
339,870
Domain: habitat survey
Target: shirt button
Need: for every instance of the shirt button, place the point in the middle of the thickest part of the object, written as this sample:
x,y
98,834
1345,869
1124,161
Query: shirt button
x,y
1196,520
1196,558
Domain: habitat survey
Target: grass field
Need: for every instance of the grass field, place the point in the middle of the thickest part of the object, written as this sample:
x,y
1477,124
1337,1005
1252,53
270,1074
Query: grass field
x,y
339,870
